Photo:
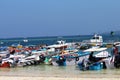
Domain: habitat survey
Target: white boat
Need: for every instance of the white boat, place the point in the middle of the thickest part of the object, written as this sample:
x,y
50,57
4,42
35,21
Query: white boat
x,y
25,40
60,45
96,40
93,49
116,43
44,51
102,58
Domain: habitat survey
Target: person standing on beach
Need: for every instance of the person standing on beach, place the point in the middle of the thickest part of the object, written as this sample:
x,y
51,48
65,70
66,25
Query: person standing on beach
x,y
12,50
0,60
114,52
116,56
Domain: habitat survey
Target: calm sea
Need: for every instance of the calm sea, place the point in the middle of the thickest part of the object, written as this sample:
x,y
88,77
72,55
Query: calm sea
x,y
56,71
52,40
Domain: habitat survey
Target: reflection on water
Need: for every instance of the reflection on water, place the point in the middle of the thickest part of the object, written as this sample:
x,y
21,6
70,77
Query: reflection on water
x,y
57,71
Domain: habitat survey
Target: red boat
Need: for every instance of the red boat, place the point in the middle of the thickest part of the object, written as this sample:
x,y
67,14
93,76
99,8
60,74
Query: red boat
x,y
5,65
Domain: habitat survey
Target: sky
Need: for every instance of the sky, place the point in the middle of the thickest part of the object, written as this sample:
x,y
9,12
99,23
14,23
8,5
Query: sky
x,y
33,18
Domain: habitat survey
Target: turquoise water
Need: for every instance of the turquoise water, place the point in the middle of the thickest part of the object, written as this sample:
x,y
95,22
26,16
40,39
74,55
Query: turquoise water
x,y
57,71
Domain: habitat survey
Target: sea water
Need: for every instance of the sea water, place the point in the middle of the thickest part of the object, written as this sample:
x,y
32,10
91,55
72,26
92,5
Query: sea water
x,y
58,71
52,40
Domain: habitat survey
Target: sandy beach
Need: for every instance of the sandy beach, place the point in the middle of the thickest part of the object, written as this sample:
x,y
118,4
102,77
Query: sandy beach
x,y
52,78
56,73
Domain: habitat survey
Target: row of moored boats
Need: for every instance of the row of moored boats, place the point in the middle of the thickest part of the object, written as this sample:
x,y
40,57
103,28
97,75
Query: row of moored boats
x,y
91,54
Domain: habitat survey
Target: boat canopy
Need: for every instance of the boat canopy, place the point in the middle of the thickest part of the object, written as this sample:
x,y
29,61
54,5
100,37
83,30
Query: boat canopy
x,y
95,49
102,54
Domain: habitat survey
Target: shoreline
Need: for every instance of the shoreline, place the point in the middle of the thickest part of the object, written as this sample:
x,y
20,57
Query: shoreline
x,y
51,78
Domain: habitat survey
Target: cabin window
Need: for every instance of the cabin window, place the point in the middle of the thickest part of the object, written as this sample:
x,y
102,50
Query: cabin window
x,y
95,37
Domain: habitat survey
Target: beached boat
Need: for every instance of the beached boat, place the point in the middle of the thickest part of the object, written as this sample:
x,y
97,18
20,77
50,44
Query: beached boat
x,y
44,51
31,60
69,58
22,60
101,59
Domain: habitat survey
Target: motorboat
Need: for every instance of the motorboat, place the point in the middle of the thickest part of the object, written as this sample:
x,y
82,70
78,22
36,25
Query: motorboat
x,y
96,40
102,60
61,44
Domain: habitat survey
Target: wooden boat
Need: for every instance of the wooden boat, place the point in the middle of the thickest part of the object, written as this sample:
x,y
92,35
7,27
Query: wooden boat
x,y
69,58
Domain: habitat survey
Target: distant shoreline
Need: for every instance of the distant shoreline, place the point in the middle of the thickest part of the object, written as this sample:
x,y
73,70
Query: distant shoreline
x,y
59,36
56,36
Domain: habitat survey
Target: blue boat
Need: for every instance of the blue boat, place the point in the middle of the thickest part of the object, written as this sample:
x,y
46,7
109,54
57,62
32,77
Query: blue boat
x,y
100,60
69,59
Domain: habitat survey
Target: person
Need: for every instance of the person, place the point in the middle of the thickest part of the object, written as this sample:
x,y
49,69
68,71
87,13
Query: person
x,y
114,53
91,57
0,60
115,50
12,50
117,61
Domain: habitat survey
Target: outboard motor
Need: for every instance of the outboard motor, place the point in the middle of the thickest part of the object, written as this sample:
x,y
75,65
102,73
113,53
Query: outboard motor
x,y
83,65
42,58
61,61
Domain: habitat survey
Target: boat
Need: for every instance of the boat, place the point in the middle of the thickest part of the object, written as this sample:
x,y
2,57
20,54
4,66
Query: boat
x,y
25,40
102,60
44,51
96,40
69,57
31,60
116,43
61,44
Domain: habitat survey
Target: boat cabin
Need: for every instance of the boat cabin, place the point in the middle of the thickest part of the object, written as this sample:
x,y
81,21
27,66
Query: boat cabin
x,y
97,39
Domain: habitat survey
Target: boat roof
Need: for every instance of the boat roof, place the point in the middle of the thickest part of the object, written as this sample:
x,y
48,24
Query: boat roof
x,y
57,45
102,54
95,49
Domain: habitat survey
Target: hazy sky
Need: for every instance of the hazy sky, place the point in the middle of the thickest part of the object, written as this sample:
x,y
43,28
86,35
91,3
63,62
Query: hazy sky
x,y
29,18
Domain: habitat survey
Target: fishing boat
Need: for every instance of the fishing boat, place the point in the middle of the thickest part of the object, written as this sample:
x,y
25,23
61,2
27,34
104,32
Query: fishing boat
x,y
31,60
96,40
101,60
21,60
68,57
44,51
59,45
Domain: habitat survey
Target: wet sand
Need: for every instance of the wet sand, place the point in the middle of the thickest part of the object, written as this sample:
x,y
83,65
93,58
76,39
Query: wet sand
x,y
62,77
51,78
57,73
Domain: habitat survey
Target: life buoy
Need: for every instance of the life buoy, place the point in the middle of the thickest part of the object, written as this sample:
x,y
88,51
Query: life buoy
x,y
77,58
